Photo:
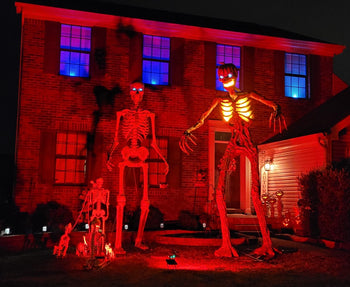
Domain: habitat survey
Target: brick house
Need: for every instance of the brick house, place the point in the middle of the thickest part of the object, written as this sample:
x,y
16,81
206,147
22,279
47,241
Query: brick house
x,y
77,63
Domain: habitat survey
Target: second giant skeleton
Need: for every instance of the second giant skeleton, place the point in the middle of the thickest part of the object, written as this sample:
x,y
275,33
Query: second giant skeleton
x,y
135,125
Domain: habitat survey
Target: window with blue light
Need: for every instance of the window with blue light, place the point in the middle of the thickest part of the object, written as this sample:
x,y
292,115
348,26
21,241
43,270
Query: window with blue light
x,y
75,47
295,78
228,55
156,58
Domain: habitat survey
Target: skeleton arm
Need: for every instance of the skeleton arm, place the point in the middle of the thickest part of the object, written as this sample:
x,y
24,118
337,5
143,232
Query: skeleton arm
x,y
276,115
154,143
187,134
115,142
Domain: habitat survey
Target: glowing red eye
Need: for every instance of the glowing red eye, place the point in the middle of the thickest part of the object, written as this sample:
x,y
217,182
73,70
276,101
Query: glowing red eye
x,y
140,90
230,75
221,77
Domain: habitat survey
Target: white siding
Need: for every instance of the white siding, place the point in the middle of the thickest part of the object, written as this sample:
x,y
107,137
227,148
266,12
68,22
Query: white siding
x,y
291,158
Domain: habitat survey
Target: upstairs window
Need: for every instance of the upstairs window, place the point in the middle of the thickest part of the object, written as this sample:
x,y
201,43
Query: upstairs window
x,y
295,76
156,58
71,158
75,48
228,55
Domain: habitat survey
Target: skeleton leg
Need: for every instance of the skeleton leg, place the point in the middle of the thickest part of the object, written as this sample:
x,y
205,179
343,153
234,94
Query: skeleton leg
x,y
121,200
266,248
144,209
226,249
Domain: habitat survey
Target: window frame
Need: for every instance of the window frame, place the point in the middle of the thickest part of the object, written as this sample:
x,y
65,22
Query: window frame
x,y
153,157
76,157
294,76
218,84
161,60
84,49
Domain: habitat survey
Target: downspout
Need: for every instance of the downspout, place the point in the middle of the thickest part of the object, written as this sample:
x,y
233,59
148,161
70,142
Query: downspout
x,y
18,11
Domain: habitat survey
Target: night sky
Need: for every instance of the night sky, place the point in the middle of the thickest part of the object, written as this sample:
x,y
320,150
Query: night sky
x,y
320,19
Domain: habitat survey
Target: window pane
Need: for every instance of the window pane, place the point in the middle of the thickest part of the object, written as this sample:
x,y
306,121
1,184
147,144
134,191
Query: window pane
x,y
70,165
59,177
156,70
77,39
295,75
156,53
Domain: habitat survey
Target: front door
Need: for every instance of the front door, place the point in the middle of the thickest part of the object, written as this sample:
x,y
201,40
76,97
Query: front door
x,y
237,185
232,184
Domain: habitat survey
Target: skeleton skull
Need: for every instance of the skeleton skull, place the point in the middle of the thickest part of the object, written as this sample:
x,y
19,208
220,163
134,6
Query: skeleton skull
x,y
228,75
136,92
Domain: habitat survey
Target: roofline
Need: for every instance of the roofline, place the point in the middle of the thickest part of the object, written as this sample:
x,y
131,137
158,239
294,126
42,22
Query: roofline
x,y
290,142
169,29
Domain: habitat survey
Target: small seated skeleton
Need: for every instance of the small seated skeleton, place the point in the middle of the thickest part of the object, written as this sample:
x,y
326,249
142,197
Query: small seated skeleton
x,y
60,250
136,124
236,111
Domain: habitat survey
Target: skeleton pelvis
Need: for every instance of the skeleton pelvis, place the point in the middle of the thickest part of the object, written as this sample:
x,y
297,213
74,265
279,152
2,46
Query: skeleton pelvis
x,y
135,154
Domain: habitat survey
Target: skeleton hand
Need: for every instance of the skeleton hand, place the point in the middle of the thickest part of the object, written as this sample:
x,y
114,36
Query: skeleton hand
x,y
166,171
109,163
276,116
183,143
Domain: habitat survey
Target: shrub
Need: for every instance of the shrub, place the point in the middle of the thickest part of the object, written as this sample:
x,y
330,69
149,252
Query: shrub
x,y
53,215
325,203
189,221
154,219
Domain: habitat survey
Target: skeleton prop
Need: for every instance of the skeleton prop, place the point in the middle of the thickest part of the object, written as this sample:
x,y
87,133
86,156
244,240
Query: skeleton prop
x,y
134,125
236,111
60,250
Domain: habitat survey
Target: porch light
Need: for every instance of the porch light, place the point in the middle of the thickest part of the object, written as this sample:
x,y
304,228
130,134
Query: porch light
x,y
268,165
7,231
161,225
204,225
86,226
44,228
126,227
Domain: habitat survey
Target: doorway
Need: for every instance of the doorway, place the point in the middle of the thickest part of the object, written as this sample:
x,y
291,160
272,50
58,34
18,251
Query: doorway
x,y
237,185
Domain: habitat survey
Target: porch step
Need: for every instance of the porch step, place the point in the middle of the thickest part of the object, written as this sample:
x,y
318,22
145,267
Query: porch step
x,y
242,222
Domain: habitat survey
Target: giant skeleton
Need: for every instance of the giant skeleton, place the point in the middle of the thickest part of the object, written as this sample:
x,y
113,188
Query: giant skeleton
x,y
236,111
136,125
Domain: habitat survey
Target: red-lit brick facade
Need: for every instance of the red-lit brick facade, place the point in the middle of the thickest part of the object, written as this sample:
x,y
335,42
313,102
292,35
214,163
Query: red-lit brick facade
x,y
49,103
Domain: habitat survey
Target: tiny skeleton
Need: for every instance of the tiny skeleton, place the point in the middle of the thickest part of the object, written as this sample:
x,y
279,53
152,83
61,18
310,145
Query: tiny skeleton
x,y
236,111
60,250
135,124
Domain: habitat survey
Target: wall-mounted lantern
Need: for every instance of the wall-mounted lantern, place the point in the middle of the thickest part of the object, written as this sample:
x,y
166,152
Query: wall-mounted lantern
x,y
268,165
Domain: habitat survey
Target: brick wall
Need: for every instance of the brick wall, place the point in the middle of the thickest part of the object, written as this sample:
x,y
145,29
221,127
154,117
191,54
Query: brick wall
x,y
49,103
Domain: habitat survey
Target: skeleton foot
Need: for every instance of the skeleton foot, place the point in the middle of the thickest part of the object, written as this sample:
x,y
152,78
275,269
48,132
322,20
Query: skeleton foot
x,y
119,251
267,252
141,246
226,251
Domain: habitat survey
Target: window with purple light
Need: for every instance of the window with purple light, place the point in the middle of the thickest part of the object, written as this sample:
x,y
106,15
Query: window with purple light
x,y
229,55
75,50
156,58
295,76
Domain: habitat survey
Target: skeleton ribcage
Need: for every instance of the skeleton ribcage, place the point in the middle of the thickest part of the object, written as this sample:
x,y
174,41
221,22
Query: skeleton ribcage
x,y
241,106
135,127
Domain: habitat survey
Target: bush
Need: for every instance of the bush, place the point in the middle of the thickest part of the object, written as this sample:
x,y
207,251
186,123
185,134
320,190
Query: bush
x,y
154,219
325,204
189,221
53,215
